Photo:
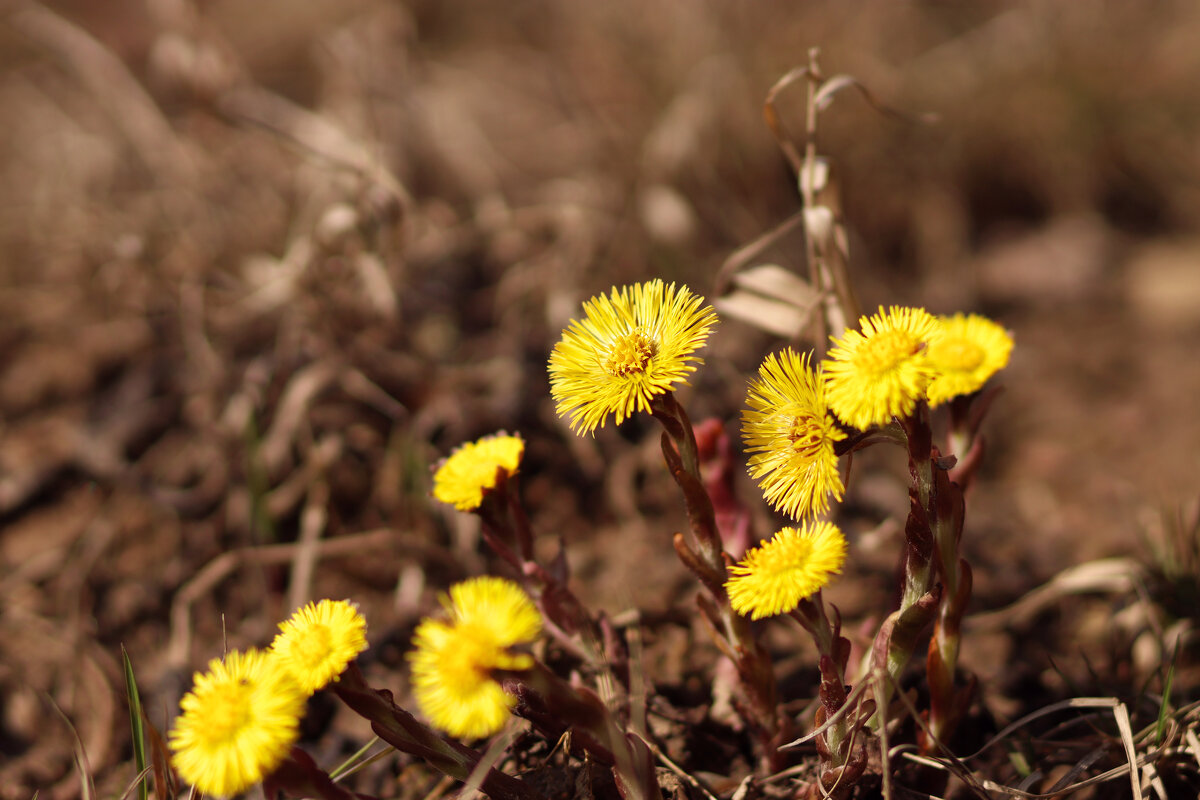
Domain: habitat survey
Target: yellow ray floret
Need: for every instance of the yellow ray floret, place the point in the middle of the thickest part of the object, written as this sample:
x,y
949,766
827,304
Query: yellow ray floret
x,y
470,471
966,351
454,659
790,435
317,642
881,371
631,345
238,723
796,563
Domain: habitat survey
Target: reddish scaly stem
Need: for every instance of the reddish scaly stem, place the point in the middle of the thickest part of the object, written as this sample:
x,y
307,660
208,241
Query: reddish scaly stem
x,y
706,557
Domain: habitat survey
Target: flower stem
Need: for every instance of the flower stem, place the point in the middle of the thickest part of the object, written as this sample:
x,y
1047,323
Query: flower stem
x,y
833,650
706,557
400,729
556,707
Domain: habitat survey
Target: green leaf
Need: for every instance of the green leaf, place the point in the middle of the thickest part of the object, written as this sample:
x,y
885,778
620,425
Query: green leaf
x,y
135,724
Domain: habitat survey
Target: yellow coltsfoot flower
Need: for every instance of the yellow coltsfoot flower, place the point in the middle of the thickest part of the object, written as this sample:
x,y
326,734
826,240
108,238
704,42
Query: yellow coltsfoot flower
x,y
238,723
881,371
469,472
630,346
796,563
790,434
317,642
454,658
966,351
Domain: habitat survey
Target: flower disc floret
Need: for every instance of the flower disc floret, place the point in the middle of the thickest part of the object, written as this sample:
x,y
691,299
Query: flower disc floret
x,y
631,345
470,471
453,659
317,642
238,723
797,562
967,350
881,371
790,435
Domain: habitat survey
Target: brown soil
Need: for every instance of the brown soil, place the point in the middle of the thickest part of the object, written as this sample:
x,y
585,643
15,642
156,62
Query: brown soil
x,y
259,269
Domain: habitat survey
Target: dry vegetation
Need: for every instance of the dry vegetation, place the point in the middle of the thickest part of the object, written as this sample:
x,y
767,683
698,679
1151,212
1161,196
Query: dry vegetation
x,y
261,268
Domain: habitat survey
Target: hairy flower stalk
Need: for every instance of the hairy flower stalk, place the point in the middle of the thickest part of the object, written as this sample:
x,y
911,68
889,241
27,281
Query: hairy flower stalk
x,y
481,477
939,523
556,707
897,638
626,355
784,575
842,746
965,351
705,556
401,730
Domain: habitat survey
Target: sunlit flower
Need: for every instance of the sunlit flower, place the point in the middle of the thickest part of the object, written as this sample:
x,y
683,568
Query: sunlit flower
x,y
319,641
791,435
454,658
882,371
631,345
966,352
238,723
470,471
797,562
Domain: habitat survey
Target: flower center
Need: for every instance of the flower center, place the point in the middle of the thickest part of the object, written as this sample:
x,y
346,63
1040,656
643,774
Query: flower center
x,y
790,560
226,712
885,351
468,664
630,354
960,354
806,435
314,646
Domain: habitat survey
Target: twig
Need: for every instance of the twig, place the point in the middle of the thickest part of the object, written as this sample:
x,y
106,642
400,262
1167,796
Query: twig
x,y
223,565
129,107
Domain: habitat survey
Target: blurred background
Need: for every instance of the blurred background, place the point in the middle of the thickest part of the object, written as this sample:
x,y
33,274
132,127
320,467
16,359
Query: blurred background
x,y
262,264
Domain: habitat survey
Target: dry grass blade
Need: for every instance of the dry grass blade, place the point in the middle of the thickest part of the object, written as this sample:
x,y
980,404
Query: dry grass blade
x,y
1150,773
1106,576
138,784
837,83
853,702
223,565
1121,713
87,785
312,523
130,108
687,778
302,389
878,676
771,299
739,258
771,116
487,762
949,763
1121,716
1193,743
164,785
316,134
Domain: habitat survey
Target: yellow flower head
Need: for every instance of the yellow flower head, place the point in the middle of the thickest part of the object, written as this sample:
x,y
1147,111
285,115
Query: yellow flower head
x,y
238,723
454,659
774,577
882,371
966,352
630,346
791,435
470,471
317,642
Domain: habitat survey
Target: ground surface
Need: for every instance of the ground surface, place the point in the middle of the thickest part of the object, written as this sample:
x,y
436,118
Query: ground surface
x,y
259,270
